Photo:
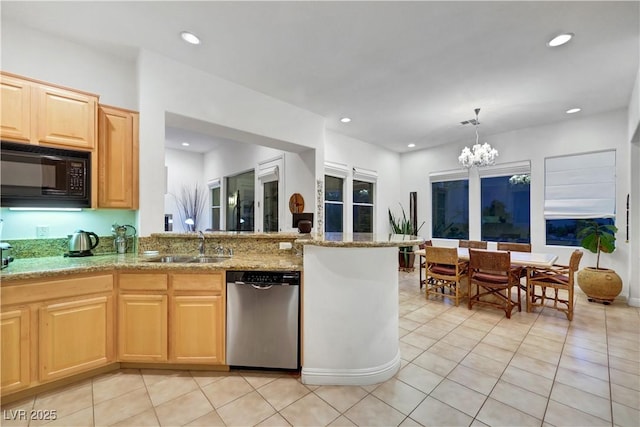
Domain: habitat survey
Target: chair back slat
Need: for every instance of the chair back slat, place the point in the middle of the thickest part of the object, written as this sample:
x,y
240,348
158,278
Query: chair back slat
x,y
476,244
574,262
514,247
494,261
439,255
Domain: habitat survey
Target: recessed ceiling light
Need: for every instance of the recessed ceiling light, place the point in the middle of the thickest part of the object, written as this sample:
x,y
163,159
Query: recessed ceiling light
x,y
560,39
411,145
189,37
345,120
573,110
185,144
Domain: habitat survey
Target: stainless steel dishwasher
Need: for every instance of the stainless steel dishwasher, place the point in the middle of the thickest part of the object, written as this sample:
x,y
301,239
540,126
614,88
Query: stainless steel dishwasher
x,y
263,320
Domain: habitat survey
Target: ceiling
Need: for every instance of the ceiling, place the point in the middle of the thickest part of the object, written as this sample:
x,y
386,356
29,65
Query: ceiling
x,y
405,72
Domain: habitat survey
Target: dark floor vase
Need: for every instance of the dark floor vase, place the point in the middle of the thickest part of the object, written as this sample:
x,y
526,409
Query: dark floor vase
x,y
600,285
406,260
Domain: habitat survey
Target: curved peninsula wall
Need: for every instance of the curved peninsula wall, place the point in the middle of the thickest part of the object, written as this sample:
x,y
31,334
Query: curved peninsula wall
x,y
350,307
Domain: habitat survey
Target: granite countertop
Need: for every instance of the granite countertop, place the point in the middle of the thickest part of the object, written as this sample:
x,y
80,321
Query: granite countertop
x,y
360,240
230,234
35,268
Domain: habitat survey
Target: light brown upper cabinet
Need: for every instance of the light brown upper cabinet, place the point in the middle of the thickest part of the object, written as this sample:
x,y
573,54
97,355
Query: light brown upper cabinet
x,y
15,109
39,113
117,158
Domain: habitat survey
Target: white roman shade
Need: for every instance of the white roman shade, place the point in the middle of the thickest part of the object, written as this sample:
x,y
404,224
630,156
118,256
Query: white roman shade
x,y
505,169
580,186
452,175
361,174
269,170
213,183
336,169
268,174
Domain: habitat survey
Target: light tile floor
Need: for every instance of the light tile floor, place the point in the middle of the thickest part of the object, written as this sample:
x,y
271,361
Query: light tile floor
x,y
459,367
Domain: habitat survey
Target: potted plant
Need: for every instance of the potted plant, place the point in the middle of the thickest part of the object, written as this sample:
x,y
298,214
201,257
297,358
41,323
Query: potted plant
x,y
599,284
403,225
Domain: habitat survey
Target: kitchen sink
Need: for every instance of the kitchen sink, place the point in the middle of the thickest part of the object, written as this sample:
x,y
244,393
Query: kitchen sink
x,y
187,259
208,259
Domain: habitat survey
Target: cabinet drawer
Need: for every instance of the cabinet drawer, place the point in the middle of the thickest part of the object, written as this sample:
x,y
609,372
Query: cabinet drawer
x,y
197,282
55,289
142,282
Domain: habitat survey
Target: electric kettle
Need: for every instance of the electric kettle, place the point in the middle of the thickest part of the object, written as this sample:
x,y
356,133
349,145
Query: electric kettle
x,y
80,243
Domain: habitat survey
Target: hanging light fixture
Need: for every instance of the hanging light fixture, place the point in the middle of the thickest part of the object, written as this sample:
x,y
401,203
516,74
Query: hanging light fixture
x,y
478,155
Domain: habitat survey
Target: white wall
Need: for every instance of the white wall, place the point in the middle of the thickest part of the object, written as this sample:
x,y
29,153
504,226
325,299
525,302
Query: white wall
x,y
184,169
356,153
41,56
634,216
22,224
579,135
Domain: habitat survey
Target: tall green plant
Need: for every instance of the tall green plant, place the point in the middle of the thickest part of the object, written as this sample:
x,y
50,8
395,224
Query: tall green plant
x,y
598,238
402,225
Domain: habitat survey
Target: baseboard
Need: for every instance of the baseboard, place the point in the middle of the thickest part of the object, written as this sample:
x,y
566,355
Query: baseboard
x,y
368,376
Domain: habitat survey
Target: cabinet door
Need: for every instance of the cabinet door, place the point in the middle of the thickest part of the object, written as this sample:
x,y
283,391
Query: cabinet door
x,y
75,336
197,329
118,158
66,118
142,328
15,109
16,360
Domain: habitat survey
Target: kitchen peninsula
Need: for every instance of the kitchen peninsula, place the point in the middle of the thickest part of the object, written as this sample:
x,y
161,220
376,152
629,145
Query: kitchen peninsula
x,y
350,306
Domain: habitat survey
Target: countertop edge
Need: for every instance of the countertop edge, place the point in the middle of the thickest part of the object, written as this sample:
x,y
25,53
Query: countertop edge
x,y
141,263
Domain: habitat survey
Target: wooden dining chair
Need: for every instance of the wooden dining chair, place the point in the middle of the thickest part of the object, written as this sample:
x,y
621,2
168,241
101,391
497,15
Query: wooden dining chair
x,y
560,278
491,280
422,262
514,247
444,272
475,244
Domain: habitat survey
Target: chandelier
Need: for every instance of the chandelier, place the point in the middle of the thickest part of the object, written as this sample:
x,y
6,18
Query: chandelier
x,y
479,154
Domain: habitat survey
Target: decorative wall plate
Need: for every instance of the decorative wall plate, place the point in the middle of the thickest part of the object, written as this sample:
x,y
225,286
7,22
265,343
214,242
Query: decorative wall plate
x,y
296,203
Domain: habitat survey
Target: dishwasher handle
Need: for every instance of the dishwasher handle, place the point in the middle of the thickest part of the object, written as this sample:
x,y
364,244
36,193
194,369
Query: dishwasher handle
x,y
260,287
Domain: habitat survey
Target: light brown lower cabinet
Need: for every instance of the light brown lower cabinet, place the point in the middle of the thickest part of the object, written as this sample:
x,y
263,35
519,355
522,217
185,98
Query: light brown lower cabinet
x,y
196,336
52,329
173,317
75,336
16,356
142,328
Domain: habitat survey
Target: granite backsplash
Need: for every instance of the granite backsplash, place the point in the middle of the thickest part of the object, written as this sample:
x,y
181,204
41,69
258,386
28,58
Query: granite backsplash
x,y
167,243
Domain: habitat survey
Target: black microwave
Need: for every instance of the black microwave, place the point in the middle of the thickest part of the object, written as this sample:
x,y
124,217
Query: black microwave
x,y
34,176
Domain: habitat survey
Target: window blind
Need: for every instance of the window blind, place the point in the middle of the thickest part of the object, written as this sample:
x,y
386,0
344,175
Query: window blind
x,y
452,175
580,186
367,175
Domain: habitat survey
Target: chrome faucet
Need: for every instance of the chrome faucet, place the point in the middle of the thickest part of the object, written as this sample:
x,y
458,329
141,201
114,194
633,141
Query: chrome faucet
x,y
221,249
201,247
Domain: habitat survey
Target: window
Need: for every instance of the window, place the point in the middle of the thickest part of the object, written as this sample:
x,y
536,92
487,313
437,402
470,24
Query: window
x,y
333,203
215,208
362,207
578,187
270,206
240,202
564,232
505,205
450,209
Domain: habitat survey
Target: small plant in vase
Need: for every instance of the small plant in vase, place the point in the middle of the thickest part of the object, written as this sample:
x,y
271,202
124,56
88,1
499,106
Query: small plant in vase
x,y
599,284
